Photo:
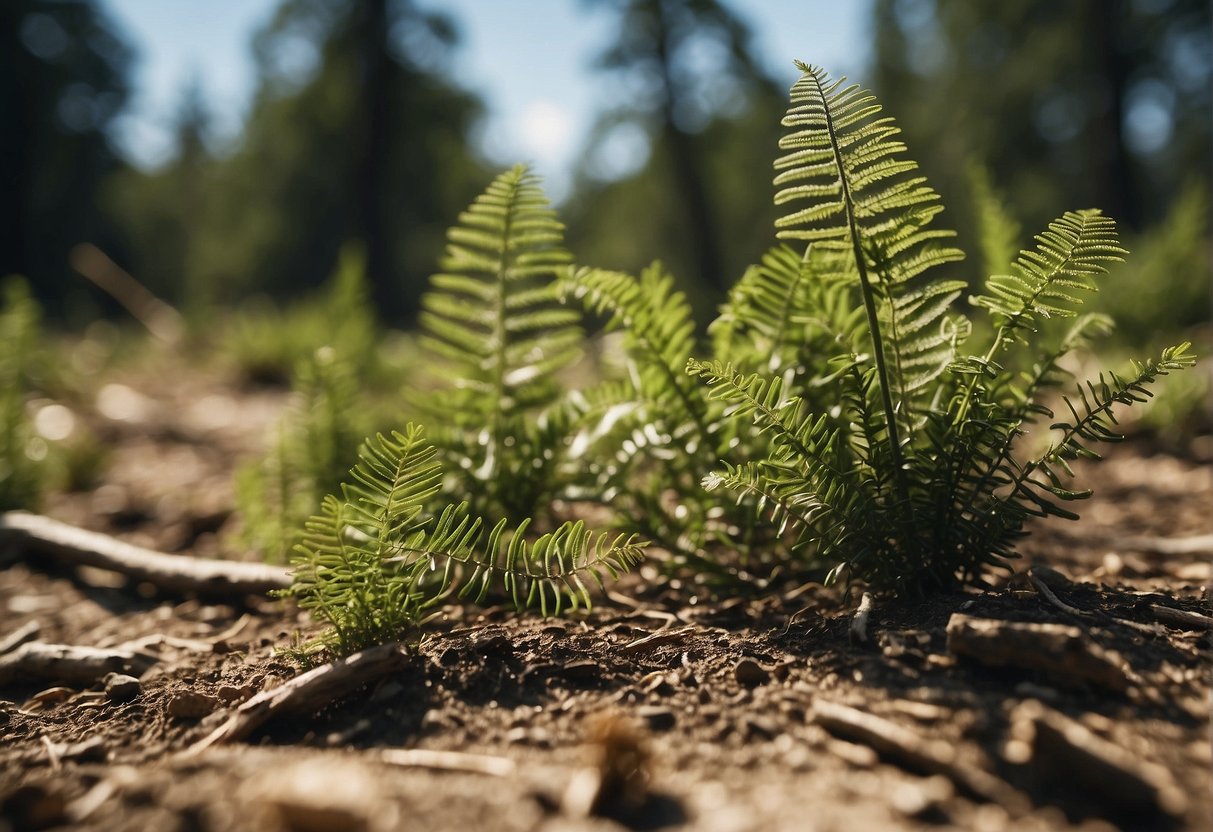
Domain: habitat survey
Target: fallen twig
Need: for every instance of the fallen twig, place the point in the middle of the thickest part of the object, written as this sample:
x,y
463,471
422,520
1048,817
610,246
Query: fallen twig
x,y
69,663
26,632
1182,618
449,761
1062,651
171,573
1056,747
1200,544
859,624
1045,592
657,639
908,748
307,692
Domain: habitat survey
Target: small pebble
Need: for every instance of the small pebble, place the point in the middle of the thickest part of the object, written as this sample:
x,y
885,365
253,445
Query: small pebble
x,y
121,688
657,718
190,704
749,672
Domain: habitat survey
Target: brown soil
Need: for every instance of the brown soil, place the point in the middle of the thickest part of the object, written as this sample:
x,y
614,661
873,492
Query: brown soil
x,y
724,707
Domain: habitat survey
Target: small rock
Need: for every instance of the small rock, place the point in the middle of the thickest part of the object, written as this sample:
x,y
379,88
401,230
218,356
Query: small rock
x,y
121,688
190,704
759,728
388,691
657,718
750,673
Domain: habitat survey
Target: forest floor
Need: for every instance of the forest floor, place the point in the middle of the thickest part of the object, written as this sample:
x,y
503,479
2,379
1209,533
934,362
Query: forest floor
x,y
765,713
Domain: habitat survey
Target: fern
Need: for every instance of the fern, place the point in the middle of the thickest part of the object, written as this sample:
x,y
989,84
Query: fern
x,y
375,561
314,441
22,476
910,477
493,318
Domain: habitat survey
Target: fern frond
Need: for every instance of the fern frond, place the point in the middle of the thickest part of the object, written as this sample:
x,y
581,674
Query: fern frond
x,y
1046,280
373,562
659,334
844,172
998,231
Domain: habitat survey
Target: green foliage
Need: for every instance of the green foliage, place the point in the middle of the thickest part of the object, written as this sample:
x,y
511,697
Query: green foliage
x,y
22,477
493,322
913,479
266,343
375,561
308,459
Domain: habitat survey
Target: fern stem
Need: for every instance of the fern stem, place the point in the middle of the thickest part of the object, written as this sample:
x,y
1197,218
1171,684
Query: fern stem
x,y
869,306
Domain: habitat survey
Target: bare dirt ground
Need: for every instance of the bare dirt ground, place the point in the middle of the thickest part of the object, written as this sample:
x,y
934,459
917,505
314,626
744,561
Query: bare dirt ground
x,y
659,710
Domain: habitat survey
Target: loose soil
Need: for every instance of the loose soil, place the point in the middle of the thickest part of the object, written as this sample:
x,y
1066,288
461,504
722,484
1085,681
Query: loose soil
x,y
722,705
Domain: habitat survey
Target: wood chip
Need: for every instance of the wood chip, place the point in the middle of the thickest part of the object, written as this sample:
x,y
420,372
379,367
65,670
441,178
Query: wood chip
x,y
859,624
658,639
1063,652
1056,747
307,693
69,663
449,761
915,751
169,573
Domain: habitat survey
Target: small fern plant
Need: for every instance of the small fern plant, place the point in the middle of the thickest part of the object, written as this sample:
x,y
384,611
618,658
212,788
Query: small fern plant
x,y
493,322
308,458
22,473
376,560
912,474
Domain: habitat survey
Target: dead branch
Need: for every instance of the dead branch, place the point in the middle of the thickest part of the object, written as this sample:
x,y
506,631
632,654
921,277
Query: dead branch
x,y
69,663
1186,619
449,761
1199,544
161,320
908,748
1055,746
859,624
169,573
26,632
1064,652
306,693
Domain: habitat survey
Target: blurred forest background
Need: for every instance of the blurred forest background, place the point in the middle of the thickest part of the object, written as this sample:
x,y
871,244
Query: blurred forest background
x,y
1056,106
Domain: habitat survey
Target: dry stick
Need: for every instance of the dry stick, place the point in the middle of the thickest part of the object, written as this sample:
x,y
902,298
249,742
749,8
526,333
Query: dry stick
x,y
69,663
859,624
1201,544
1182,618
171,573
449,761
657,639
308,692
26,632
161,320
1051,597
908,748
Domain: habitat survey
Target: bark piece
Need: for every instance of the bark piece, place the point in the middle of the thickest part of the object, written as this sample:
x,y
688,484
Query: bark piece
x,y
912,750
308,692
1185,619
1059,749
1063,652
169,573
69,663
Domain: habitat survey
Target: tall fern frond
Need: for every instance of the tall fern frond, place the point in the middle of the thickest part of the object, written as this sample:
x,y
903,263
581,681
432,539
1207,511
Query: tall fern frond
x,y
374,562
493,314
844,176
998,231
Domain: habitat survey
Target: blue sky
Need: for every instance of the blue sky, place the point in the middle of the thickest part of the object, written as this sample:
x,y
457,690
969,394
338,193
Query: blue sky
x,y
529,59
